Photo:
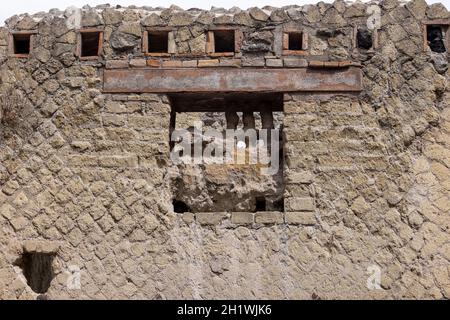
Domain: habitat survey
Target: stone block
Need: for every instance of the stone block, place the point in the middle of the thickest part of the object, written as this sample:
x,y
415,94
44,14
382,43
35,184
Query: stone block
x,y
295,62
274,63
269,217
242,218
210,218
41,246
299,204
256,61
224,62
138,63
300,218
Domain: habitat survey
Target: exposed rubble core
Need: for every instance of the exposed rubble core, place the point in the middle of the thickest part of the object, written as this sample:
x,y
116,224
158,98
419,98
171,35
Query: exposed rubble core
x,y
358,92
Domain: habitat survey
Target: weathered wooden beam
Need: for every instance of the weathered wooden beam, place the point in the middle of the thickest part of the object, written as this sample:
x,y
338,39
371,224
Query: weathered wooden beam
x,y
231,80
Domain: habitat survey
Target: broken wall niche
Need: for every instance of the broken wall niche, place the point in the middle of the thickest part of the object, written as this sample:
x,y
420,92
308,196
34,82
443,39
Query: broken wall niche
x,y
208,186
37,264
37,269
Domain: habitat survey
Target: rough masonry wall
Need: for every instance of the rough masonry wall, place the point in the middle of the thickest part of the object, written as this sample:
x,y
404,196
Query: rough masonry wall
x,y
86,175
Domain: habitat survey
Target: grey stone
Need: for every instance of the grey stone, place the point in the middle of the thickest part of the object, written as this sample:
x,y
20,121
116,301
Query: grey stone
x,y
243,18
253,61
258,14
437,11
295,14
112,16
333,17
91,18
417,8
205,18
198,45
152,20
122,41
274,63
42,54
295,62
312,13
279,15
133,28
60,48
223,19
440,62
180,19
26,23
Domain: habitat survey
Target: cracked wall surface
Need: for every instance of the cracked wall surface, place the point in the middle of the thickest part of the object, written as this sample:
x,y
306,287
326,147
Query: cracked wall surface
x,y
85,175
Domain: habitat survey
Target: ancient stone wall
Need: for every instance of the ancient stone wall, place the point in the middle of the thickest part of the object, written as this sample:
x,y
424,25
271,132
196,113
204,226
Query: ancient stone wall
x,y
88,187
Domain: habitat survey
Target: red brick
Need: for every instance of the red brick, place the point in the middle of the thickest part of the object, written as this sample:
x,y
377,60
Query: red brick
x,y
331,64
153,63
172,64
208,63
344,64
316,64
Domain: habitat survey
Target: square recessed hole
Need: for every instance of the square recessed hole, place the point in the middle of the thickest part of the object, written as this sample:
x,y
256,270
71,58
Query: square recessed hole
x,y
223,41
435,38
90,44
22,43
158,41
295,41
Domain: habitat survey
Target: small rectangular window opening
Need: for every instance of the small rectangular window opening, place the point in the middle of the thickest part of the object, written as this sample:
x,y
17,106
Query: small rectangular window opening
x,y
224,41
90,44
435,38
295,41
364,39
158,41
22,43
